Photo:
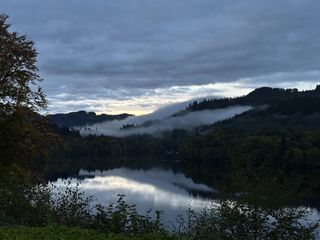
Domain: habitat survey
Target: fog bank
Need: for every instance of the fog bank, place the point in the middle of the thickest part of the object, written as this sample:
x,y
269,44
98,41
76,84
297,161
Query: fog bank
x,y
157,124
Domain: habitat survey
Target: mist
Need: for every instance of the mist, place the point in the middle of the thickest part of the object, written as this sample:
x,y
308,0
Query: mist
x,y
158,123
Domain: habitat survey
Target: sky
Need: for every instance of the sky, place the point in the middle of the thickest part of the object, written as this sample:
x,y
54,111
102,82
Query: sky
x,y
134,56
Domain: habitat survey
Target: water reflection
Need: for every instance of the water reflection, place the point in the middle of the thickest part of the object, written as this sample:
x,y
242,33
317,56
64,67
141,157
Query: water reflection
x,y
155,189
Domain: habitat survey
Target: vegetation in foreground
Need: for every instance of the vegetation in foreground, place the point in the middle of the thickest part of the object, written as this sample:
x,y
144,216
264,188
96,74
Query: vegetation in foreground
x,y
54,232
229,220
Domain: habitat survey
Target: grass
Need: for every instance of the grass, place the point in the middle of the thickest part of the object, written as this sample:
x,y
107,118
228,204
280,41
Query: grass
x,y
65,233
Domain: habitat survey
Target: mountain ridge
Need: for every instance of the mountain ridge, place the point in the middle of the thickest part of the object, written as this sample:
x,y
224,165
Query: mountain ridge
x,y
83,118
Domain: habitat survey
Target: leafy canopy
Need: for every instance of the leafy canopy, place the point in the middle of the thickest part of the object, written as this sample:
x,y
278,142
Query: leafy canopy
x,y
18,72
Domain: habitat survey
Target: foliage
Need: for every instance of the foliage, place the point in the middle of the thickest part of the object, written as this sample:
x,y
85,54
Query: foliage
x,y
54,232
18,71
77,215
25,137
231,220
22,131
69,206
283,159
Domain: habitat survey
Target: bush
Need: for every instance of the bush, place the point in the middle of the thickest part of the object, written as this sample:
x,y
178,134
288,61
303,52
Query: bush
x,y
65,233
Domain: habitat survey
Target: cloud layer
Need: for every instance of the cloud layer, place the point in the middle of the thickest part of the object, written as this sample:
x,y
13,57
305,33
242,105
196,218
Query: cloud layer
x,y
92,53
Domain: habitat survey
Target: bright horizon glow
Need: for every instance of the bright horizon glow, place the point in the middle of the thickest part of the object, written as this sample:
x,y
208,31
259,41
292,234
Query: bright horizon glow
x,y
155,99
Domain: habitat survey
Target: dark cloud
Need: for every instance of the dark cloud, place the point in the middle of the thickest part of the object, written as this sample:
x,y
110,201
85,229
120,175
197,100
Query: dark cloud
x,y
128,48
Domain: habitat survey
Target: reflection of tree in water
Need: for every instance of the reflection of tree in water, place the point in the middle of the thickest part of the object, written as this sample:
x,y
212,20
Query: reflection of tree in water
x,y
257,212
239,220
264,186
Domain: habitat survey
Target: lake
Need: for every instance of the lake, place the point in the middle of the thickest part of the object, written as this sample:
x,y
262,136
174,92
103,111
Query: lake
x,y
156,188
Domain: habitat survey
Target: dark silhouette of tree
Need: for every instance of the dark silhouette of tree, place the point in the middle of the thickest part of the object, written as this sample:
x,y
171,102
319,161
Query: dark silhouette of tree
x,y
18,72
22,130
25,136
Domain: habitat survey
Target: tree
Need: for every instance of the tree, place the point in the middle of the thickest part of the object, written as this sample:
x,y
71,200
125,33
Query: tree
x,y
21,128
25,136
18,72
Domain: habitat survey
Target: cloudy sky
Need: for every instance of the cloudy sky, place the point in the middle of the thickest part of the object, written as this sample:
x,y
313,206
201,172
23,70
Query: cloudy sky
x,y
137,55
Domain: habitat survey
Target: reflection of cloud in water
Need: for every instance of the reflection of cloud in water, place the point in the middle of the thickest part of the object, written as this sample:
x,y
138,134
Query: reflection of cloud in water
x,y
154,189
158,177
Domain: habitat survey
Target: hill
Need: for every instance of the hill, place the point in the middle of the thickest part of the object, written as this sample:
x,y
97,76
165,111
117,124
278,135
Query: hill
x,y
82,118
278,101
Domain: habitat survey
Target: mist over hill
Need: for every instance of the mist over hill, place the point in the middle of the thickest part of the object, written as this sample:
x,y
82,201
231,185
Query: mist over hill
x,y
266,105
140,124
281,101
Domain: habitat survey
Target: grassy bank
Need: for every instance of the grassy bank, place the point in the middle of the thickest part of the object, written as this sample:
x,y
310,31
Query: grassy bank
x,y
65,233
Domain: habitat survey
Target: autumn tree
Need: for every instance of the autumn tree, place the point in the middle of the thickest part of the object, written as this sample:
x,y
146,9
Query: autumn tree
x,y
25,136
18,72
20,95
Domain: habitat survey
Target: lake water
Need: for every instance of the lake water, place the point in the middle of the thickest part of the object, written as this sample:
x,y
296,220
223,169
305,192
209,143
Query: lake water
x,y
157,189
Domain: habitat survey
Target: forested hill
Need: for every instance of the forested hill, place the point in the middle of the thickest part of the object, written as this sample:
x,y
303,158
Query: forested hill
x,y
281,101
82,118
